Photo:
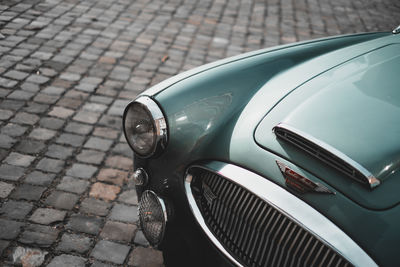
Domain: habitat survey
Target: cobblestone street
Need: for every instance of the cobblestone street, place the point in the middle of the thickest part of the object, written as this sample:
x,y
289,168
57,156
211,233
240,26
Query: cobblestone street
x,y
67,71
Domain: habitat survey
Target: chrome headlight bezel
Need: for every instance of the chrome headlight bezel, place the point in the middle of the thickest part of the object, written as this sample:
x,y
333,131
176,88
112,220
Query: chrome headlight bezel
x,y
159,124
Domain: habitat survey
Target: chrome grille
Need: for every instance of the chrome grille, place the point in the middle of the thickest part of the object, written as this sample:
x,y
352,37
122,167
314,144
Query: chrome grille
x,y
254,232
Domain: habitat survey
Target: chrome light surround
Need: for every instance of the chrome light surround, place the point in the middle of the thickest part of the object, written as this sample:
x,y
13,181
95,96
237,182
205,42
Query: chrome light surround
x,y
145,127
152,217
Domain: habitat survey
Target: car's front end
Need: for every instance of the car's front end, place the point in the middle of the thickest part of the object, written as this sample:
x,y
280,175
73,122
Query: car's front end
x,y
240,162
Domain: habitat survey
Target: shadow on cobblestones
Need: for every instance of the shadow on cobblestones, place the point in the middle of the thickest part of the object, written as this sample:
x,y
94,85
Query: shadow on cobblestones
x,y
68,69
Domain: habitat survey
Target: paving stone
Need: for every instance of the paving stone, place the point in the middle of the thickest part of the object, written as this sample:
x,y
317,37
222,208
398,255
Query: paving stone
x,y
50,165
42,134
15,209
47,216
12,129
106,132
9,229
29,257
3,154
51,123
6,141
28,192
146,257
3,245
83,171
113,176
11,104
87,117
7,83
70,139
70,76
71,103
85,224
39,178
118,231
78,128
95,206
38,79
91,156
34,107
98,143
66,260
120,162
5,189
73,185
110,251
16,75
31,87
104,191
74,243
111,121
30,146
94,107
124,213
5,114
39,235
21,95
62,200
46,99
11,173
18,159
129,197
140,239
59,152
101,264
25,118
61,112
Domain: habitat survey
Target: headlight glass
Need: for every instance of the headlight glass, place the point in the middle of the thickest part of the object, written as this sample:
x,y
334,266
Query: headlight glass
x,y
145,127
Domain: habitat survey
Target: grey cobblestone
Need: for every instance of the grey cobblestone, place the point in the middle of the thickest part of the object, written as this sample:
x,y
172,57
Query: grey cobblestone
x,y
65,260
73,185
15,209
28,192
74,243
11,173
85,224
47,216
40,235
39,178
68,68
61,200
110,251
95,206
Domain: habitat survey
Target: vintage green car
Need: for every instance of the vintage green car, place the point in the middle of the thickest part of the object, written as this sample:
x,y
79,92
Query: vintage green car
x,y
286,156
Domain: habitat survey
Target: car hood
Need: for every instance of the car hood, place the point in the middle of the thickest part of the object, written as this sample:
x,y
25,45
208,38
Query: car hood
x,y
355,109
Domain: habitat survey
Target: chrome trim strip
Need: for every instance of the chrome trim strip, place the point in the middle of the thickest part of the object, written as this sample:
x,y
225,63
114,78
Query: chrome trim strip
x,y
158,119
370,179
396,30
293,207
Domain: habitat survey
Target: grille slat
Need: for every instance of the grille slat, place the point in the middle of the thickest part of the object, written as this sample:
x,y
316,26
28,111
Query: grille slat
x,y
254,232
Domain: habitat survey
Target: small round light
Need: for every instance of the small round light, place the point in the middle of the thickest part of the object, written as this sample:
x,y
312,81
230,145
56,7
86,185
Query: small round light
x,y
145,127
153,217
140,177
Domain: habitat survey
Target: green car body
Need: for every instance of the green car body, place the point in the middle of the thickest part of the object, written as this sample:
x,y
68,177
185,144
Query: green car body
x,y
343,90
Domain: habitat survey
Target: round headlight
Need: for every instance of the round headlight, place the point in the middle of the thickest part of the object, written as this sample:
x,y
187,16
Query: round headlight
x,y
153,217
145,127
